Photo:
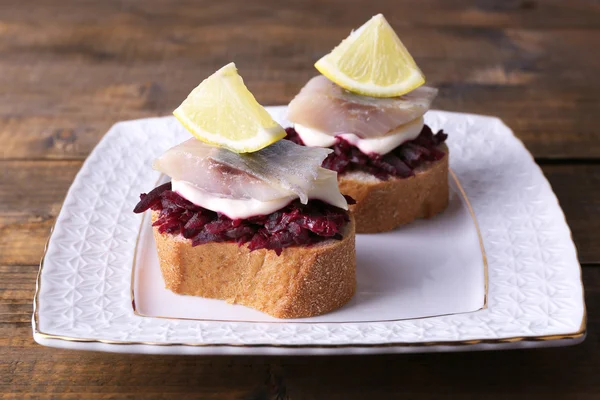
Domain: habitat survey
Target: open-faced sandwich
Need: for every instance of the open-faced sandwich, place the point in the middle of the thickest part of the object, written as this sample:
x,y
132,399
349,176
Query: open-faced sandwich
x,y
368,107
247,217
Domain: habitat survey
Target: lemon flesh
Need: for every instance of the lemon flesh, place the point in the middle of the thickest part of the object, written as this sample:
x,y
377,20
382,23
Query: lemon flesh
x,y
372,61
222,112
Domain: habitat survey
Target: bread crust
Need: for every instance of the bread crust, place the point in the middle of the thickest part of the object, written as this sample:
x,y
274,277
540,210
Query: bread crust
x,y
301,282
384,205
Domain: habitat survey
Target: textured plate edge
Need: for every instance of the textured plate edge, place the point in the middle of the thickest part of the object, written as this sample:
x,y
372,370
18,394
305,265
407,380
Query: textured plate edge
x,y
42,338
566,339
237,351
511,342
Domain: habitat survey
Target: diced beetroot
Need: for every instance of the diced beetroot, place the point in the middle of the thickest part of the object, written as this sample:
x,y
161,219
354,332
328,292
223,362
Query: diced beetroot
x,y
399,167
194,225
222,225
410,155
295,224
151,199
168,225
239,232
279,240
204,237
400,162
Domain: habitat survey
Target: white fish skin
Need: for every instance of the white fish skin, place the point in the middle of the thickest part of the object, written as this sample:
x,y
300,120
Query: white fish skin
x,y
282,169
325,106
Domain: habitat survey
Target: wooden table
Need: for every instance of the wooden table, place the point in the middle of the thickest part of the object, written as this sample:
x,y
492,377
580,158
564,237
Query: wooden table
x,y
70,69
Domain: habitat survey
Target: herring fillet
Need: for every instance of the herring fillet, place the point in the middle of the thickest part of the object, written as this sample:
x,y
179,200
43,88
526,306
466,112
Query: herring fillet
x,y
325,106
284,163
283,169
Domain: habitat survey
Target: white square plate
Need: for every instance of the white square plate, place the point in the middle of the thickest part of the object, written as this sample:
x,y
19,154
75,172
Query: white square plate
x,y
424,293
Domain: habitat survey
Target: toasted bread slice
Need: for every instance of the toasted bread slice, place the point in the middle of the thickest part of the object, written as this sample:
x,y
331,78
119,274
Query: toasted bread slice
x,y
303,281
384,205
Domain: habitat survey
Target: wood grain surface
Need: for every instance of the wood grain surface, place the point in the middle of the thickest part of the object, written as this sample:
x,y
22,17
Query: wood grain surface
x,y
71,69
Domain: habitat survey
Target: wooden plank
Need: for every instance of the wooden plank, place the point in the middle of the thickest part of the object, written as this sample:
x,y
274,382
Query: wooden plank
x,y
578,190
27,369
32,192
72,68
314,14
66,80
32,370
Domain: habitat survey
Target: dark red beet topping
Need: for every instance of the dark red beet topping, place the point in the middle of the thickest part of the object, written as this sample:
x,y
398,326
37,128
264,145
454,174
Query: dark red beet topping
x,y
400,162
295,224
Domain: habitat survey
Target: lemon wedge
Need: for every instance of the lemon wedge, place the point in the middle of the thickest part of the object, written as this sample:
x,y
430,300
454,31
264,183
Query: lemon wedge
x,y
221,111
372,61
